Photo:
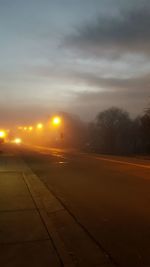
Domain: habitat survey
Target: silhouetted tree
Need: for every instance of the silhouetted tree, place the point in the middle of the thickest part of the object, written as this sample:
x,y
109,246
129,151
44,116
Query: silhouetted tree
x,y
136,136
113,132
92,138
145,128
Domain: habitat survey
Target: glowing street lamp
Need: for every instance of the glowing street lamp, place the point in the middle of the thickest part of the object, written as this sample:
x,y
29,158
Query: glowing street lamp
x,y
2,134
39,126
30,128
56,121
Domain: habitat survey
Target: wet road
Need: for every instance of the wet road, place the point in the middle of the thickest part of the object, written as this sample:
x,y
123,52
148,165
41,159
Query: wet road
x,y
108,196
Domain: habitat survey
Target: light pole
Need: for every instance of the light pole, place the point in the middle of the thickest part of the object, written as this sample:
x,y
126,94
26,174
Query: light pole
x,y
57,123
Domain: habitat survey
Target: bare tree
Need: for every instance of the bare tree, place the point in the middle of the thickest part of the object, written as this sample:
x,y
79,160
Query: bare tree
x,y
145,128
113,128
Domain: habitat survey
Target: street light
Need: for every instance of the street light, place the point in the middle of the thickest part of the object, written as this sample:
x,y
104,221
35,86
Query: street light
x,y
2,134
39,126
58,124
56,121
30,128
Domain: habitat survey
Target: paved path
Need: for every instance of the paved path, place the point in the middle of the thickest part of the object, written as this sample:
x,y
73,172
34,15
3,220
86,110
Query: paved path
x,y
24,240
108,196
35,228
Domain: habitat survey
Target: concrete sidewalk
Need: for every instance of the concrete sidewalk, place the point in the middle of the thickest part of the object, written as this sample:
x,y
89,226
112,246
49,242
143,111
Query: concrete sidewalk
x,y
35,228
24,240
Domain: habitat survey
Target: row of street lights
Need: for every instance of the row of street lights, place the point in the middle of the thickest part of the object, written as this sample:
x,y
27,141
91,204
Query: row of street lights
x,y
55,121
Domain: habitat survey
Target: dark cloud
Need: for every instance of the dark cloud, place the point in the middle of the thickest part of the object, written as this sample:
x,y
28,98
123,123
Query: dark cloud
x,y
129,31
140,84
131,94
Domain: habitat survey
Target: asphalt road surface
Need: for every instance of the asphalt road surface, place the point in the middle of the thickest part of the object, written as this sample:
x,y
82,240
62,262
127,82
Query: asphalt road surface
x,y
108,196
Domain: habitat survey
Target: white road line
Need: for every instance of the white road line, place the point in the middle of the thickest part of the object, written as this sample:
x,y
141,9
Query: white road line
x,y
39,148
122,162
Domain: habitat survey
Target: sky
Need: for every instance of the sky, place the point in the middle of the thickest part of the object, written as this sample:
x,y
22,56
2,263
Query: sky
x,y
78,56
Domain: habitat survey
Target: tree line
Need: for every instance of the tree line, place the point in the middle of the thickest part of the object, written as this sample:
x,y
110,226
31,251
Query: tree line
x,y
115,132
112,132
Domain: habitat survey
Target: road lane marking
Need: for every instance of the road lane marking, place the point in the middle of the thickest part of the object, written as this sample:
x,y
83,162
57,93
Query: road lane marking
x,y
123,162
40,148
46,150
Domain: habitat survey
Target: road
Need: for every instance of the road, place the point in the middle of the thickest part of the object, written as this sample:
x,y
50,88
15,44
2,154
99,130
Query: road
x,y
108,196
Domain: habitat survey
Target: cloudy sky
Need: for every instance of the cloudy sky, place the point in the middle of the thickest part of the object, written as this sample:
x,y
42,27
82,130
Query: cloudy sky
x,y
80,56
